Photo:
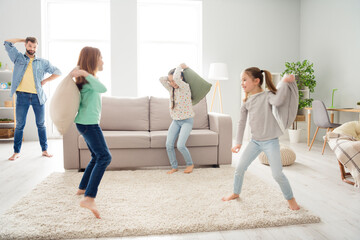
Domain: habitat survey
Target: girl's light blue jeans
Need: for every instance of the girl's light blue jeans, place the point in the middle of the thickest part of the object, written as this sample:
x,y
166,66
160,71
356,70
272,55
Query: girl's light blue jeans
x,y
272,150
181,128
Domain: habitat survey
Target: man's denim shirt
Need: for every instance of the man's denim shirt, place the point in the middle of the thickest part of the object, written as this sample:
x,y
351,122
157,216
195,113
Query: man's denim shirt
x,y
40,67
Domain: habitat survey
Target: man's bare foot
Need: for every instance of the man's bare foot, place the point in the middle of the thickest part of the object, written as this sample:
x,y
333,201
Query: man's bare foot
x,y
46,154
80,192
14,156
293,204
189,169
231,197
89,203
172,171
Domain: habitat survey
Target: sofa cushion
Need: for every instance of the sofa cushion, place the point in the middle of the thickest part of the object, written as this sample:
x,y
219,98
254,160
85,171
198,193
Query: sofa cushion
x,y
160,115
128,114
122,139
201,120
197,138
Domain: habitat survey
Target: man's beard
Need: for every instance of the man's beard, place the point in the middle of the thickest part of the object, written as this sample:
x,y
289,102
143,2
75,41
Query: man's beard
x,y
30,52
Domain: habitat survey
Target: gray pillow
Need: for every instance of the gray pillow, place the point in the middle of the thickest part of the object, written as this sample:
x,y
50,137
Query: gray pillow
x,y
198,86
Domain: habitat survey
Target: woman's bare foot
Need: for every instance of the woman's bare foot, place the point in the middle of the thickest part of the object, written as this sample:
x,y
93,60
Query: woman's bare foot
x,y
80,192
189,169
46,154
89,203
293,204
172,171
231,197
14,156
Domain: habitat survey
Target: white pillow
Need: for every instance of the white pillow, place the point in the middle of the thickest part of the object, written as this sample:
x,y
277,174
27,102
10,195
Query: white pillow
x,y
350,129
65,104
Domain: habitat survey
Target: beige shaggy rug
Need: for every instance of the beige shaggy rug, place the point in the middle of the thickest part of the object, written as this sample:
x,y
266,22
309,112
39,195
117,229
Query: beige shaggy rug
x,y
146,202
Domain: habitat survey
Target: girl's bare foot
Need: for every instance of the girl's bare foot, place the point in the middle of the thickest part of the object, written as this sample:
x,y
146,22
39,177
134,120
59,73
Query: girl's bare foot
x,y
46,154
189,169
231,197
172,171
80,192
89,203
14,156
293,204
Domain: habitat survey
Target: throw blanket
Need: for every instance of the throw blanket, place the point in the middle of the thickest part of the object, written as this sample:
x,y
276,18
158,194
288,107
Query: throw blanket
x,y
285,114
347,151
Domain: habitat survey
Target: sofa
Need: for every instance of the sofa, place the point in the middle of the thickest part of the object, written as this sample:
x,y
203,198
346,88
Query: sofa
x,y
135,131
345,142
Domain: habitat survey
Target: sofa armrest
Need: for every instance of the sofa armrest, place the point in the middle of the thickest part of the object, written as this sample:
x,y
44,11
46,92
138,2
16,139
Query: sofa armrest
x,y
222,124
71,148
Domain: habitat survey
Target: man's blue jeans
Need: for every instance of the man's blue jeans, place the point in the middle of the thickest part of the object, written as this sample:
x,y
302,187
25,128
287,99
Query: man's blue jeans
x,y
272,150
23,102
100,158
181,128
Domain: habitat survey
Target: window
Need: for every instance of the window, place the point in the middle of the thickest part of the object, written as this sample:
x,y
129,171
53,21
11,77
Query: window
x,y
67,27
169,33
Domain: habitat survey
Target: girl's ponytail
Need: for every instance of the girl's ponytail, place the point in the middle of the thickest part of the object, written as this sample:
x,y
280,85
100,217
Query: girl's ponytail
x,y
269,82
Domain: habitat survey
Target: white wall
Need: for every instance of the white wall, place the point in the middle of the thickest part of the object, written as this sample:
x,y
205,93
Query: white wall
x,y
244,33
330,38
124,48
20,18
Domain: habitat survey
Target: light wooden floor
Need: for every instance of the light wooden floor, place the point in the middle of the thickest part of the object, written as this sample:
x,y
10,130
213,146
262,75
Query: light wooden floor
x,y
315,180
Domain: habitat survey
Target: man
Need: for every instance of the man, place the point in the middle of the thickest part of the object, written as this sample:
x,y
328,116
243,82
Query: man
x,y
27,82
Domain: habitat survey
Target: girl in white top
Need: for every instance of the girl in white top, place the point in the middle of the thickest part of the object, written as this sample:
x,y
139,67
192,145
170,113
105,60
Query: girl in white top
x,y
265,129
182,113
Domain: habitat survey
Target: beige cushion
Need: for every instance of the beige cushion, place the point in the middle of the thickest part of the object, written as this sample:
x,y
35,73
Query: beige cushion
x,y
201,120
122,139
160,114
288,156
127,114
197,138
64,104
350,129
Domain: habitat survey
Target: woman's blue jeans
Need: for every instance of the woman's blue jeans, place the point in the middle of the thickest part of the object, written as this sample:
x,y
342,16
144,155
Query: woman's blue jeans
x,y
100,158
181,128
272,150
23,102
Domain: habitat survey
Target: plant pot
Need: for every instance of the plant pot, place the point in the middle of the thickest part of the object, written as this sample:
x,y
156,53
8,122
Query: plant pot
x,y
294,135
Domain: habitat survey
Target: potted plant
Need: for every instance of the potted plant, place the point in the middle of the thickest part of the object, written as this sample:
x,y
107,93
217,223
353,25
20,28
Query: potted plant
x,y
358,105
305,79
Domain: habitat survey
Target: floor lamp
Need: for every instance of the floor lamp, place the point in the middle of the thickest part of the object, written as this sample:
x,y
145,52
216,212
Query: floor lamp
x,y
218,72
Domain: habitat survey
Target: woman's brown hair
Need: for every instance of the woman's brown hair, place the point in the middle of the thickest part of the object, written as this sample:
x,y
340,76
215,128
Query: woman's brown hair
x,y
88,61
255,72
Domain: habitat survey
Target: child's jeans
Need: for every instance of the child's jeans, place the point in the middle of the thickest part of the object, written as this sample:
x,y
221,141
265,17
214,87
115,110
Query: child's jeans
x,y
100,158
272,150
181,128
